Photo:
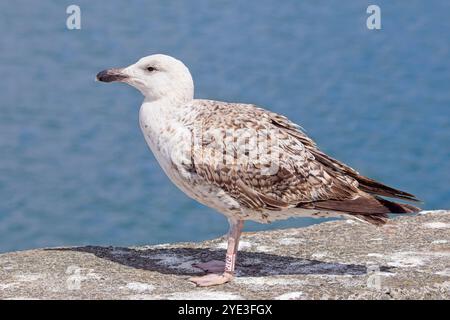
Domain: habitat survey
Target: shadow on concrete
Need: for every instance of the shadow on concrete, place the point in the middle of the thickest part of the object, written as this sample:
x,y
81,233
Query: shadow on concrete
x,y
179,261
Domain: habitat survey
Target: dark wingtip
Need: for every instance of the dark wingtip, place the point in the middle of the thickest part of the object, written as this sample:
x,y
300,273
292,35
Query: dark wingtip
x,y
395,207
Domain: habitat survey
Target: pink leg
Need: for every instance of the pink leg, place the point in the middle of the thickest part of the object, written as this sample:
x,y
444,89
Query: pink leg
x,y
228,272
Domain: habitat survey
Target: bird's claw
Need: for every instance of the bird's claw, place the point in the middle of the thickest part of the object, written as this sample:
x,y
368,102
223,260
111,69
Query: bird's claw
x,y
212,279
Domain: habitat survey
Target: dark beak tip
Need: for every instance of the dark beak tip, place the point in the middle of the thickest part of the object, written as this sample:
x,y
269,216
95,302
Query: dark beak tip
x,y
111,75
102,76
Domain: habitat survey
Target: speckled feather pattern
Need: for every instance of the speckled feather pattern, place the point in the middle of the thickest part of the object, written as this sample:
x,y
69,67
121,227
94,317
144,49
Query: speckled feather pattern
x,y
241,188
244,161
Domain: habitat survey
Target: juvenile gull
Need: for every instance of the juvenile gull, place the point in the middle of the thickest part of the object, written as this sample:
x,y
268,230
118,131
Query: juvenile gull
x,y
244,161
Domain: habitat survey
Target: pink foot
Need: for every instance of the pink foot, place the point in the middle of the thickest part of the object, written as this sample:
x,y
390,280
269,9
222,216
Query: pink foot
x,y
211,266
212,279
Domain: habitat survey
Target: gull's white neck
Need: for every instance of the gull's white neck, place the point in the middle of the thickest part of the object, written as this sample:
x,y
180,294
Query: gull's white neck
x,y
165,132
162,109
158,117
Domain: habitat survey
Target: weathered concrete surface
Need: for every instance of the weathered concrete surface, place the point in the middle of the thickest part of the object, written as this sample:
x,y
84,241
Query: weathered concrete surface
x,y
407,259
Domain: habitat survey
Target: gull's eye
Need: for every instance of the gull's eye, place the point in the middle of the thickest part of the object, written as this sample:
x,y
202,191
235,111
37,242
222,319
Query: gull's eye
x,y
151,69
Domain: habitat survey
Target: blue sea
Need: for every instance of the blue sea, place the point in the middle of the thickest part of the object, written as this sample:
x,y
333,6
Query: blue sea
x,y
74,167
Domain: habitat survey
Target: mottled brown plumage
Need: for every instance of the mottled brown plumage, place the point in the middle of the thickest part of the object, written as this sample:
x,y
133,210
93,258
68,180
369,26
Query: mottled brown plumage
x,y
306,178
243,161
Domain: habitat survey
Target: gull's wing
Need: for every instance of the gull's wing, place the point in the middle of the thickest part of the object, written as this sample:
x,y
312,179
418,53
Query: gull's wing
x,y
304,176
298,176
365,184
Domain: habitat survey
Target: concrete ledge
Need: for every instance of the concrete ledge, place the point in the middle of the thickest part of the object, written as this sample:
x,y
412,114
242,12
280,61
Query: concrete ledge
x,y
407,259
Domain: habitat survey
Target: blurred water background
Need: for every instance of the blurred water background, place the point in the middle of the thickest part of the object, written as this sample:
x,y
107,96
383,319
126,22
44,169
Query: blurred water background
x,y
74,168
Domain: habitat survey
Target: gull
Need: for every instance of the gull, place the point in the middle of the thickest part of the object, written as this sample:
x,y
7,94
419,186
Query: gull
x,y
244,161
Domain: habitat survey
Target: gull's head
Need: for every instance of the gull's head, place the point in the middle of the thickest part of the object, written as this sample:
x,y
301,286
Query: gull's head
x,y
157,77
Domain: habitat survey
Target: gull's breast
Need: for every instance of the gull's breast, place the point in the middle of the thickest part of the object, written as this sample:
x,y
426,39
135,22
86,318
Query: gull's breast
x,y
170,140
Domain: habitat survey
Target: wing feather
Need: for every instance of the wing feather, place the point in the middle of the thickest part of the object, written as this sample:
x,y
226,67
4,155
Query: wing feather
x,y
299,177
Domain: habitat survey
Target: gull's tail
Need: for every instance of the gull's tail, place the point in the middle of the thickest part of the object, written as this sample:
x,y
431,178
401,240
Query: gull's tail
x,y
372,209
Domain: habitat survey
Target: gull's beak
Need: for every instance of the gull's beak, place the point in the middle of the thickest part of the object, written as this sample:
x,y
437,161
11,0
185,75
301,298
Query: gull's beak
x,y
111,75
